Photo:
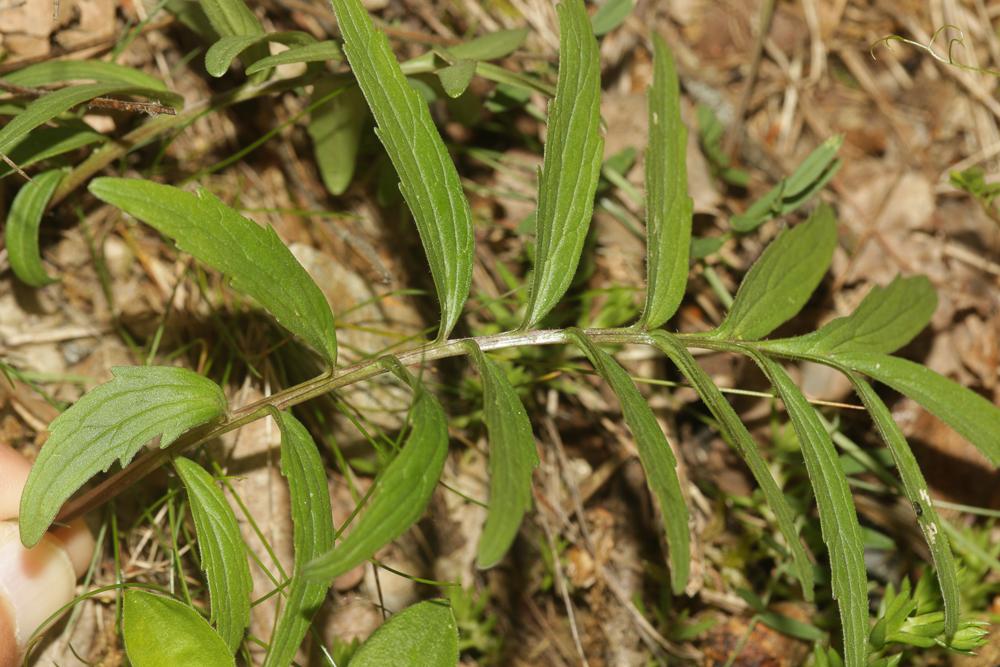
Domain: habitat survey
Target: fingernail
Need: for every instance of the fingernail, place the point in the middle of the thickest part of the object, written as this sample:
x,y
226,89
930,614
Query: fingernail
x,y
34,583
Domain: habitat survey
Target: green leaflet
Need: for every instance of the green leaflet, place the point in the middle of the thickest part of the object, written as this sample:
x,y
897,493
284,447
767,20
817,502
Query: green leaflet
x,y
99,71
838,519
161,632
312,526
887,319
654,452
428,179
50,105
253,257
21,232
112,422
223,556
915,489
221,54
422,635
490,46
335,127
400,493
611,15
306,53
232,18
668,206
782,279
971,415
512,459
571,165
456,78
737,436
47,142
809,178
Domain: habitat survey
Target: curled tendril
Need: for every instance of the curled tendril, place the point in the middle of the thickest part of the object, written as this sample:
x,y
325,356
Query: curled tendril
x,y
928,48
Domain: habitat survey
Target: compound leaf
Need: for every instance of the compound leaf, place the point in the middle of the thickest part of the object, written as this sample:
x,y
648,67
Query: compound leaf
x,y
253,257
21,232
512,459
809,178
737,436
113,422
400,493
98,71
838,519
221,54
428,178
335,127
783,278
306,53
668,206
312,535
422,635
571,165
971,415
915,490
887,319
655,454
223,557
161,632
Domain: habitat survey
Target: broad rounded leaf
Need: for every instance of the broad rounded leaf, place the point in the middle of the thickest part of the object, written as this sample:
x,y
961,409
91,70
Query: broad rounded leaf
x,y
223,555
113,422
887,319
512,459
423,635
782,279
611,15
490,46
428,178
21,232
571,165
312,536
161,632
231,18
456,78
668,206
400,493
335,127
655,454
252,257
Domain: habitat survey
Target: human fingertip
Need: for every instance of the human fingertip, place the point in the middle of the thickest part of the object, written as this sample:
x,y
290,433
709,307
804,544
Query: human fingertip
x,y
34,584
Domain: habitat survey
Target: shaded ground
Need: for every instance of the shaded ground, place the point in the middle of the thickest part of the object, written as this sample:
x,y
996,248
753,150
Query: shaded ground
x,y
908,120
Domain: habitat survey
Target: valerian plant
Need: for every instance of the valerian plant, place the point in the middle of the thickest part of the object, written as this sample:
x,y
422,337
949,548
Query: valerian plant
x,y
181,409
